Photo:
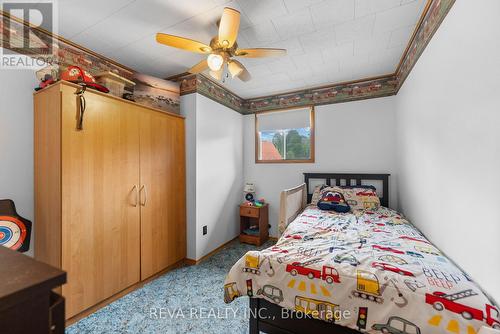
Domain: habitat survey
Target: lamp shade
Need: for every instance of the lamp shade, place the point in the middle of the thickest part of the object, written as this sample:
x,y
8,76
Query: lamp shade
x,y
234,68
215,61
249,188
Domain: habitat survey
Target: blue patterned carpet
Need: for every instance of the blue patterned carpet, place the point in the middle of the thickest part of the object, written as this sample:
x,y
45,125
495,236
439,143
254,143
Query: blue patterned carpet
x,y
186,300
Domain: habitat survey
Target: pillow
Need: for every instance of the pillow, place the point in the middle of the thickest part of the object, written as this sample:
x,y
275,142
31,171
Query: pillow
x,y
360,198
366,200
316,195
360,187
333,200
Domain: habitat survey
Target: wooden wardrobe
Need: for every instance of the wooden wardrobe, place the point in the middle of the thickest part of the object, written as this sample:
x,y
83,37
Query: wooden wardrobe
x,y
110,198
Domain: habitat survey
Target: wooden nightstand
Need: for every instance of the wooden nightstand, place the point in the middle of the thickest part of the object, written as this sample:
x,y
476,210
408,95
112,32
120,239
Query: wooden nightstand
x,y
254,216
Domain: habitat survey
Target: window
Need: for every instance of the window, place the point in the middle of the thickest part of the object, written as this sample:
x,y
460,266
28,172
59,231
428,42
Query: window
x,y
285,136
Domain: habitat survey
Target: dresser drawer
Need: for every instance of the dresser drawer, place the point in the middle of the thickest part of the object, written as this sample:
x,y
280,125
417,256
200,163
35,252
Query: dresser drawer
x,y
248,211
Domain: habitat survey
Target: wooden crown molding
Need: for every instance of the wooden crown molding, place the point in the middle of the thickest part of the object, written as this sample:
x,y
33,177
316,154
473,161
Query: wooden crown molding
x,y
434,13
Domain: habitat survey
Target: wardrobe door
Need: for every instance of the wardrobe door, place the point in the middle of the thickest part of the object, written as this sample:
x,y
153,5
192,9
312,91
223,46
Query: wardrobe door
x,y
100,211
162,195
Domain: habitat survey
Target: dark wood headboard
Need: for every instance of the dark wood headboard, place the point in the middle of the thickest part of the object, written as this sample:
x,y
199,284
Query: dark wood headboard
x,y
350,179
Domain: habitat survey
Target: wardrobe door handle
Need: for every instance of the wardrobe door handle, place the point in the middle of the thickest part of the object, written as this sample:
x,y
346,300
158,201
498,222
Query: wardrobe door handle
x,y
136,195
143,187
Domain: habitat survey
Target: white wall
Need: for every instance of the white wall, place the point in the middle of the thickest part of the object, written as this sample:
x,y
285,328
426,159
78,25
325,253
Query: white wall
x,y
16,141
448,119
188,109
215,173
350,137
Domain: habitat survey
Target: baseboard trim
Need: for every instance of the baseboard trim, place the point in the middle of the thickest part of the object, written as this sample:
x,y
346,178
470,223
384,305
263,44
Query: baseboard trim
x,y
191,262
122,293
186,261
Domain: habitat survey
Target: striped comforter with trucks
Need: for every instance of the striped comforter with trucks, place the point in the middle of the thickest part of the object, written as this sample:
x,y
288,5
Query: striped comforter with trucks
x,y
372,271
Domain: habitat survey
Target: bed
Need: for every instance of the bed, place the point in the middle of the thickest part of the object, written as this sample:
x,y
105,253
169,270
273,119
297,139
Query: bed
x,y
363,271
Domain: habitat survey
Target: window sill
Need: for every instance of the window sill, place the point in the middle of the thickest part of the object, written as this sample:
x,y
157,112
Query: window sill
x,y
309,161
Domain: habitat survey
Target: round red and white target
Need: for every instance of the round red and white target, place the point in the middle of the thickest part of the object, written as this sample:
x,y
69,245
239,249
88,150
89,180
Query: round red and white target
x,y
12,232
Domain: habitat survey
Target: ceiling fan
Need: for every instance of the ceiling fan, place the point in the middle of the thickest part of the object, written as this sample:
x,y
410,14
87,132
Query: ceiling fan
x,y
221,50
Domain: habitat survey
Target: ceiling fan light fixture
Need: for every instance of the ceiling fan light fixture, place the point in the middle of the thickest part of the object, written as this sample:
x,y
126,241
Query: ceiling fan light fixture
x,y
217,75
221,49
234,68
215,61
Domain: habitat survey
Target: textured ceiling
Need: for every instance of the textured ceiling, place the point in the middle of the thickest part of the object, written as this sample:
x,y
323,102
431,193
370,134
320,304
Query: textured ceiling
x,y
328,41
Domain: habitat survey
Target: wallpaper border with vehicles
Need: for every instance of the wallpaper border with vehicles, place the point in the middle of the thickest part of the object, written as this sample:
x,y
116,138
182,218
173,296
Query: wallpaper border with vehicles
x,y
436,11
70,53
59,53
63,53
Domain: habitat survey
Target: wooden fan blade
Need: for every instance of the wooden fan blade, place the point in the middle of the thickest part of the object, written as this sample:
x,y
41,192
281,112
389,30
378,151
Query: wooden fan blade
x,y
228,27
237,69
260,52
217,75
200,67
183,43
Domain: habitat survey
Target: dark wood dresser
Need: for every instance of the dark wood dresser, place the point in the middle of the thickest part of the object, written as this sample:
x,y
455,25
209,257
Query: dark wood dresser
x,y
27,302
